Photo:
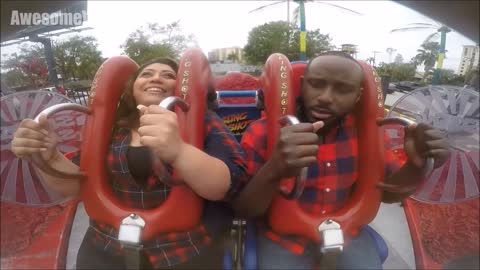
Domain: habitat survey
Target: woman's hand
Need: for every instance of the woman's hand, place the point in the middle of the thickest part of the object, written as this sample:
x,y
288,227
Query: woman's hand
x,y
423,141
32,137
159,130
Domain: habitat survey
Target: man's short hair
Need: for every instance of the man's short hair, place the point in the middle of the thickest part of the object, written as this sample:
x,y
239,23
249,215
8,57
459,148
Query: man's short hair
x,y
333,53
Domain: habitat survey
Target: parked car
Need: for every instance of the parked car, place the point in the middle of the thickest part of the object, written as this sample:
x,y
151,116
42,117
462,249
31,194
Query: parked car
x,y
391,88
50,89
407,85
6,91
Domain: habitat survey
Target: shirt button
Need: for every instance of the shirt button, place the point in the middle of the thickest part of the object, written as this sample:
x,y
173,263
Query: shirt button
x,y
329,164
327,189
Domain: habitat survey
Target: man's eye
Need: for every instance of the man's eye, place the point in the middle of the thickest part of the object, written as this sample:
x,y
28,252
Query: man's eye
x,y
317,83
344,89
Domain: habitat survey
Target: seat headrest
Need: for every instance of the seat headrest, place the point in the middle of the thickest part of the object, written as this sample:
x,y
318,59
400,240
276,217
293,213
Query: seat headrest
x,y
236,81
298,69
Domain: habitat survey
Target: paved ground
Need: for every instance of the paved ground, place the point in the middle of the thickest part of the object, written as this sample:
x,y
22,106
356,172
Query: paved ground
x,y
390,223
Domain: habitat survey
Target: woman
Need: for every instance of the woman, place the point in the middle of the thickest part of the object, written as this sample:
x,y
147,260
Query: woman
x,y
142,128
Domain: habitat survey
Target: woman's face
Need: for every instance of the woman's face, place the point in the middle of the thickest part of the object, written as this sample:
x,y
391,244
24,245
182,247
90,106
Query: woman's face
x,y
154,83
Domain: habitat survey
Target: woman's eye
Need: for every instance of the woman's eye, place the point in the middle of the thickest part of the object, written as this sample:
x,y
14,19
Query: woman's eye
x,y
169,76
145,74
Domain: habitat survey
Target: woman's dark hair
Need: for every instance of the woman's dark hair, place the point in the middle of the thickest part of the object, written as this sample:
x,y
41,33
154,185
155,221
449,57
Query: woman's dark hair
x,y
127,112
212,103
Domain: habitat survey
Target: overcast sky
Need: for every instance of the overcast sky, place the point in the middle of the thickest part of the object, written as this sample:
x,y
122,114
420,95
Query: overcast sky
x,y
218,24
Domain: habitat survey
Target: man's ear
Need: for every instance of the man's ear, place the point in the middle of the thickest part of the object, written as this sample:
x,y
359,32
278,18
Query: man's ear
x,y
360,95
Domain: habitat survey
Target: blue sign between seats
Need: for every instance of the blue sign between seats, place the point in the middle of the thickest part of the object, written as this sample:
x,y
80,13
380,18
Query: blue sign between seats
x,y
238,117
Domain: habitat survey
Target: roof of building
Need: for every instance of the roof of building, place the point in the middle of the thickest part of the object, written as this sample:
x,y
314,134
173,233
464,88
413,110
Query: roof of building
x,y
11,31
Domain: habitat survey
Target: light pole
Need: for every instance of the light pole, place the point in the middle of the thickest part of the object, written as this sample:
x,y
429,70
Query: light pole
x,y
78,62
375,57
47,44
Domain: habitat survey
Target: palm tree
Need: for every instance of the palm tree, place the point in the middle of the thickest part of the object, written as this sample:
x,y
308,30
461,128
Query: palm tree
x,y
443,30
427,56
233,57
390,52
299,13
371,60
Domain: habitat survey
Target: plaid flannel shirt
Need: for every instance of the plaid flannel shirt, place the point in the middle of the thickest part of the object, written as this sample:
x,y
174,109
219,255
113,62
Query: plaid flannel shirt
x,y
329,181
171,248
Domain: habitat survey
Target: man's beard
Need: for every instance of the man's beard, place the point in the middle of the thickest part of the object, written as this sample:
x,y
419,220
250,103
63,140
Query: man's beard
x,y
329,124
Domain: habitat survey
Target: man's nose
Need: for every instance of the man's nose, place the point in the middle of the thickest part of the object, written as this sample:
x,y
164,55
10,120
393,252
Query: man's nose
x,y
325,96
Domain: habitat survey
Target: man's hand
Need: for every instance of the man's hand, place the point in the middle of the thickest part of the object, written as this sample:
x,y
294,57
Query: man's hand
x,y
423,141
297,147
159,131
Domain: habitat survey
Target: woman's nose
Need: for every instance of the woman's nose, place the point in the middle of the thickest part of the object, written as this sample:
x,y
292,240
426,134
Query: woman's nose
x,y
157,78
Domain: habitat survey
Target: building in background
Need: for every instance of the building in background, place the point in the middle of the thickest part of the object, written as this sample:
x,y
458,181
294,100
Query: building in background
x,y
350,49
226,55
469,59
219,68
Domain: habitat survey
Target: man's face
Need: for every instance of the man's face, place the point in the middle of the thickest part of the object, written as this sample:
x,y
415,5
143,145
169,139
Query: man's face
x,y
331,88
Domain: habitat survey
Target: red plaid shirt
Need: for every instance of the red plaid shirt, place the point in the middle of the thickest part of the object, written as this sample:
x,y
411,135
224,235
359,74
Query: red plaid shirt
x,y
329,182
171,248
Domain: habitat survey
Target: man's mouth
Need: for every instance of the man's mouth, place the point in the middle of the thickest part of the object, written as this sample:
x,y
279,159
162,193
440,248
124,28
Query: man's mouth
x,y
321,114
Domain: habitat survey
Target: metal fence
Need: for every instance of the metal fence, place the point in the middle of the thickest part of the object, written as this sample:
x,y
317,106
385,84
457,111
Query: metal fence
x,y
80,95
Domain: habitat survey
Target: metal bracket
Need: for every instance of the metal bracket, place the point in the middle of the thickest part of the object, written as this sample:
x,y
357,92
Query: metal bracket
x,y
130,231
332,236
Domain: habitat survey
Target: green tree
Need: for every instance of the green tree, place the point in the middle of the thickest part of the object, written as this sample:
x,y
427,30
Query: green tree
x,y
141,50
13,78
317,43
25,68
470,74
299,16
271,38
398,59
440,31
153,41
78,57
397,71
448,76
427,56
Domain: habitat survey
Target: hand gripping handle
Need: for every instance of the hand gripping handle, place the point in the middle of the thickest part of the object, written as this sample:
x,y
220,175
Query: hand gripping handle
x,y
37,158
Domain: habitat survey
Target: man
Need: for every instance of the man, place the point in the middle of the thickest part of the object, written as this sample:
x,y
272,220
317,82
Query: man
x,y
325,142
